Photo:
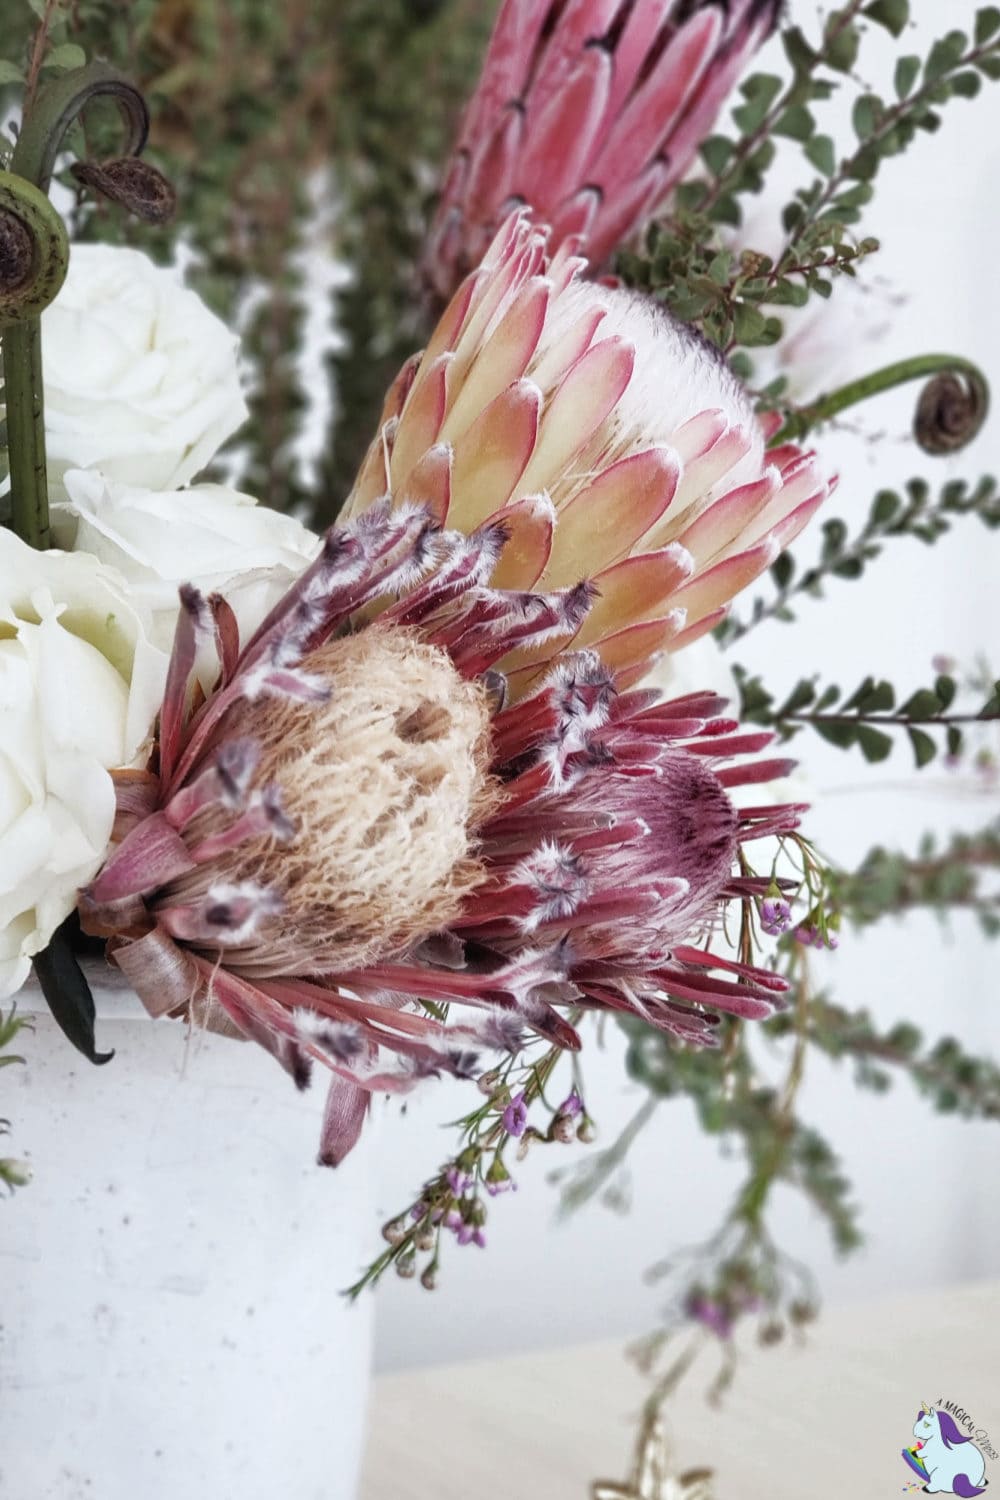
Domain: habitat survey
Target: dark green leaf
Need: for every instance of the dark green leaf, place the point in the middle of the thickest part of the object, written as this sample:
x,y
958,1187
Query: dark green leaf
x,y
924,748
907,69
987,24
796,122
875,745
68,993
821,152
892,14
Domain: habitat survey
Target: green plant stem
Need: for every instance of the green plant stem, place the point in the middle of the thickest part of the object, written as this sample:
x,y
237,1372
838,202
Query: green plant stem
x,y
920,367
46,122
22,357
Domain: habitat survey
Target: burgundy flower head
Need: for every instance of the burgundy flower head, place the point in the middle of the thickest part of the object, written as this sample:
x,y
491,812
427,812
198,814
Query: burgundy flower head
x,y
353,820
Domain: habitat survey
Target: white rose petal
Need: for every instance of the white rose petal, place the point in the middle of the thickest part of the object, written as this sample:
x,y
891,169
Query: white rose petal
x,y
80,685
213,537
141,379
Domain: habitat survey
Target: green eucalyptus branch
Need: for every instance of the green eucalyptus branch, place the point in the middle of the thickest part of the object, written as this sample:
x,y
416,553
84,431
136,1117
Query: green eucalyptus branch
x,y
950,414
890,883
862,718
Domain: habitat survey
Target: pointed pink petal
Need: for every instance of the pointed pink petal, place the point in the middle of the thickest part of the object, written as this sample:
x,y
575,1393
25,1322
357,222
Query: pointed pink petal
x,y
193,622
575,216
635,590
420,423
627,647
490,457
585,399
558,358
502,359
609,517
429,482
730,519
698,629
531,522
726,579
625,210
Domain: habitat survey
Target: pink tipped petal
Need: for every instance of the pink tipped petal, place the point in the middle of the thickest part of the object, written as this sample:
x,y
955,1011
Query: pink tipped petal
x,y
429,483
421,422
636,643
723,581
638,589
566,350
586,397
787,530
491,457
726,520
530,524
503,359
699,629
611,515
699,434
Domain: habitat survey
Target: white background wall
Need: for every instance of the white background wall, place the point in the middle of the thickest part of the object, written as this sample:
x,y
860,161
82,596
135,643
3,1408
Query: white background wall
x,y
930,1186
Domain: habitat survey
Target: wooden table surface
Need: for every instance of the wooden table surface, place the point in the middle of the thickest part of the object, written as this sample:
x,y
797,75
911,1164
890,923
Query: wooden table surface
x,y
824,1419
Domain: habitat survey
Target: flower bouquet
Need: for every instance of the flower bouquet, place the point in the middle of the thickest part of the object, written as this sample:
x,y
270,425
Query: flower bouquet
x,y
416,795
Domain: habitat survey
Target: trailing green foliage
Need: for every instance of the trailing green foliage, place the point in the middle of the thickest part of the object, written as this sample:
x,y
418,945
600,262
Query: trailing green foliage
x,y
865,717
13,1173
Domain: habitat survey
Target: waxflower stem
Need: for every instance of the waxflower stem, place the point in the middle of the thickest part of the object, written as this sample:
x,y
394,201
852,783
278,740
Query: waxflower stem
x,y
34,258
950,413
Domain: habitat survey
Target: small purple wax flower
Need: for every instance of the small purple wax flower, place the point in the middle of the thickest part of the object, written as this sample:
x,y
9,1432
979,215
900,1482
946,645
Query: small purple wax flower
x,y
515,1116
571,1106
805,935
775,915
459,1182
711,1315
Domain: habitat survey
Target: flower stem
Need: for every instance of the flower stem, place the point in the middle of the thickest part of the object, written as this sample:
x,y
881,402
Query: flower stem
x,y
30,217
950,413
29,496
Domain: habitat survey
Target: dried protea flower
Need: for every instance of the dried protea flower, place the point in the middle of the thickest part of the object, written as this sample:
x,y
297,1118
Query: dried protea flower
x,y
354,820
609,438
588,112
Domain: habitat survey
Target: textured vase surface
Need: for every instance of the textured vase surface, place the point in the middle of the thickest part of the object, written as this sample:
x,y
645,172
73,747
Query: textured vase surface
x,y
170,1320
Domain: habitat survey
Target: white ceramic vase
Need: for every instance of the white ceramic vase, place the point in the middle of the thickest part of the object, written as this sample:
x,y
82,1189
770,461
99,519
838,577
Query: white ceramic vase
x,y
171,1321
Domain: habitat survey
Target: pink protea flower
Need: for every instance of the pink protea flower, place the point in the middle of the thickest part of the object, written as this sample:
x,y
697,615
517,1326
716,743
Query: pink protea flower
x,y
353,821
609,438
588,112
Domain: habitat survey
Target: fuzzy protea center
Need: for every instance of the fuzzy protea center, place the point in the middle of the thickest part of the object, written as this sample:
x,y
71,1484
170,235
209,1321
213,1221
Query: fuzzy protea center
x,y
382,786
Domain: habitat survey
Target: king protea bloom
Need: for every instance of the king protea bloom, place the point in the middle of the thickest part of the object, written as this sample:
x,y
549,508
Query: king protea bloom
x,y
588,112
353,822
610,440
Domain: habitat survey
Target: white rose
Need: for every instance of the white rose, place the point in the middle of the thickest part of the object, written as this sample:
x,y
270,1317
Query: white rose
x,y
80,686
141,380
207,535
